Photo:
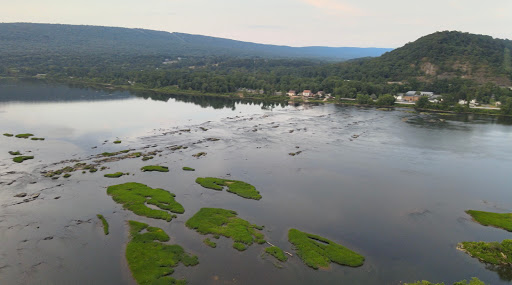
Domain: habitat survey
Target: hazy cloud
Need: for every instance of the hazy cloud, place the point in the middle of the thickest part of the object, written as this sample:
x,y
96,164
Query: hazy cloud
x,y
266,27
335,7
365,23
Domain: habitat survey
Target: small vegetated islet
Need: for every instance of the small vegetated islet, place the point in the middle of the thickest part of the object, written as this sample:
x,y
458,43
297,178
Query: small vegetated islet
x,y
489,252
37,139
150,260
210,243
134,197
8,135
277,253
20,159
155,168
502,221
186,168
221,222
114,175
14,152
318,252
24,136
67,175
473,281
239,188
117,142
104,222
199,154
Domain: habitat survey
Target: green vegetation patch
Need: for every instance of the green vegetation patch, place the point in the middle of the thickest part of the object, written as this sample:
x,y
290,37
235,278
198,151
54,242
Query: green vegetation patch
x,y
502,221
67,175
117,142
277,253
489,252
37,139
186,168
104,222
223,222
134,197
24,136
155,168
239,246
78,166
199,154
239,188
318,252
209,243
114,175
108,154
20,159
8,135
473,281
14,152
145,158
150,260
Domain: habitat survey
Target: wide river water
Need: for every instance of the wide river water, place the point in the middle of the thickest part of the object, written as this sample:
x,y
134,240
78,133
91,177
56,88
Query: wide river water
x,y
390,185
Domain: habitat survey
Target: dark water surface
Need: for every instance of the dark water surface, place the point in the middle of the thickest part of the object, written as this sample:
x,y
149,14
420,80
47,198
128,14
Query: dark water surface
x,y
396,194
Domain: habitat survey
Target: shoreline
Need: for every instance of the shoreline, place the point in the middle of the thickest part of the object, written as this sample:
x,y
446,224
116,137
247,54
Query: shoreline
x,y
276,99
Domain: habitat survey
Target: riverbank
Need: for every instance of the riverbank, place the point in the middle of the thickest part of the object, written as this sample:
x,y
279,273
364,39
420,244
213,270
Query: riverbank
x,y
170,90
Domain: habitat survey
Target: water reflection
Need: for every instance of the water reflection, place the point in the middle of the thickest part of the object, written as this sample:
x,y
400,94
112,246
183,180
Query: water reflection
x,y
38,91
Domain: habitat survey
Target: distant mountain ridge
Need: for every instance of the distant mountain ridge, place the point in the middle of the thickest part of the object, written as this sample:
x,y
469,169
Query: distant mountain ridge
x,y
441,55
29,38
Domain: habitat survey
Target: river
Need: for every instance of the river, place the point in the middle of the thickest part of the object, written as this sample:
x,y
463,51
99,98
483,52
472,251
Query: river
x,y
390,185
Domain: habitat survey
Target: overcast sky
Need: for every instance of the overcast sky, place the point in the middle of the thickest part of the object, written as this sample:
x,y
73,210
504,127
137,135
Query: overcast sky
x,y
364,23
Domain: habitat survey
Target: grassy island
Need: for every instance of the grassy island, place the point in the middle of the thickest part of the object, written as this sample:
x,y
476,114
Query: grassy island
x,y
239,188
209,243
117,142
473,281
225,223
502,221
155,168
14,152
104,222
114,175
489,252
134,197
186,168
20,159
277,253
318,252
8,135
150,260
24,136
37,139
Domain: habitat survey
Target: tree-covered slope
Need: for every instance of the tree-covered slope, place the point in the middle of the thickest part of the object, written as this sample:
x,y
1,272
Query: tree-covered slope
x,y
23,39
441,55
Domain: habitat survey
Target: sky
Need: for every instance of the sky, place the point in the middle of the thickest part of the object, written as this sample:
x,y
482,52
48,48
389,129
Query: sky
x,y
358,23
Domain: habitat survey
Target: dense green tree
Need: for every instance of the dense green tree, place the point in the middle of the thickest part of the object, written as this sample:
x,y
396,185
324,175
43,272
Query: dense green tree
x,y
363,99
506,106
386,100
422,102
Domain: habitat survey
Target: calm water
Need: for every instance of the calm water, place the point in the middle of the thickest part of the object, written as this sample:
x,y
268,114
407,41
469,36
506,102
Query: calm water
x,y
396,194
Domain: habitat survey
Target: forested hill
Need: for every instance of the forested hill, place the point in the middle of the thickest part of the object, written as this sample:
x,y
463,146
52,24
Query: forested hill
x,y
441,55
26,39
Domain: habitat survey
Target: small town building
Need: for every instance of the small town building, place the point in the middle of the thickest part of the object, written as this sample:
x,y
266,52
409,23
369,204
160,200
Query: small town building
x,y
307,93
413,96
292,93
435,99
